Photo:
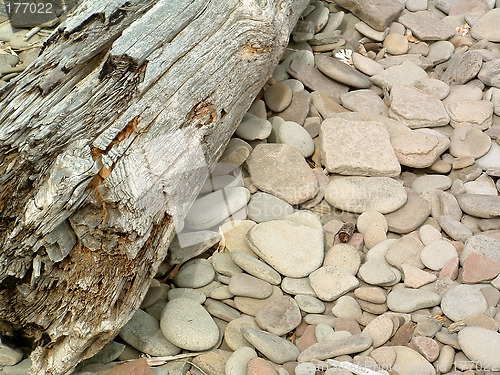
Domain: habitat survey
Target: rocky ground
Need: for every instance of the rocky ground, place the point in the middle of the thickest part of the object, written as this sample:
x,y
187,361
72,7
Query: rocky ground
x,y
353,222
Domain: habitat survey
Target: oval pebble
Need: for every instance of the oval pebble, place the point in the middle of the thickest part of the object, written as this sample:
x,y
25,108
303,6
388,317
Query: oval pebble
x,y
436,254
186,324
462,301
360,194
278,97
195,274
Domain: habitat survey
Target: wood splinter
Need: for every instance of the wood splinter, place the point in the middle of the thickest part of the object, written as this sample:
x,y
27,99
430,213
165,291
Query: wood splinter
x,y
346,232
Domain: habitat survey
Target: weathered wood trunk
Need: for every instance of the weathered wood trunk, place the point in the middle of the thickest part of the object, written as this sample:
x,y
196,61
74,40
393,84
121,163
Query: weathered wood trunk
x,y
104,142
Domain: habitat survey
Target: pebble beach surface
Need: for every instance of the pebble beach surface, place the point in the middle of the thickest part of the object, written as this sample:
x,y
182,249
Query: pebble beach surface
x,y
361,220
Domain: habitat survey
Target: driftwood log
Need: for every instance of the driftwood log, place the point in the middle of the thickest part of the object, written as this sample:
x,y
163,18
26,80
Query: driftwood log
x,y
105,141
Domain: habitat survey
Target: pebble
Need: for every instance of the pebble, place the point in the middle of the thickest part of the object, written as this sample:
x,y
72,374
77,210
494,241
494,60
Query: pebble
x,y
405,250
256,267
282,171
366,65
440,52
259,366
426,346
212,362
416,108
407,73
278,97
415,278
187,324
211,209
333,348
463,69
9,356
364,101
487,27
309,304
17,39
428,182
376,13
491,160
238,361
426,25
253,127
437,254
434,87
357,148
293,134
346,307
248,286
233,334
292,248
461,301
280,316
483,185
343,255
341,72
312,78
477,114
360,194
478,268
224,264
481,345
454,228
489,73
266,207
479,205
469,141
195,274
298,109
396,44
376,272
416,5
273,347
409,361
380,329
331,282
296,286
409,300
481,244
194,294
371,294
366,30
220,310
410,216
143,333
235,236
418,148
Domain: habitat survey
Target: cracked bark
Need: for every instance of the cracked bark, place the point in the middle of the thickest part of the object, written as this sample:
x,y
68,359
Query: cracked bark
x,y
103,141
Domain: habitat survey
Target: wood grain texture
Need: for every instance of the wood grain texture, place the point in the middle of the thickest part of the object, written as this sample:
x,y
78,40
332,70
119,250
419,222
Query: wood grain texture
x,y
105,141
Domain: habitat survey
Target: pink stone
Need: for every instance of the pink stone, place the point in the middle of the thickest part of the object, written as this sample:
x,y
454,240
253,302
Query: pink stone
x,y
308,338
426,346
478,268
347,324
137,367
357,241
450,269
259,366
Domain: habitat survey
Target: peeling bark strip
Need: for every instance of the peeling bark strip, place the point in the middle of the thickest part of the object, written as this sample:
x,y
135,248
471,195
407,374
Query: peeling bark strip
x,y
104,142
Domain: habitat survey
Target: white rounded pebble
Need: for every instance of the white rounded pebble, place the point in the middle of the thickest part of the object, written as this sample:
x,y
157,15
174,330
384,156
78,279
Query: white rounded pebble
x,y
436,254
186,324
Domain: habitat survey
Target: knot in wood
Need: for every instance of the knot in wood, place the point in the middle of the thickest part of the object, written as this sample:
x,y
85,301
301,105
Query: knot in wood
x,y
202,114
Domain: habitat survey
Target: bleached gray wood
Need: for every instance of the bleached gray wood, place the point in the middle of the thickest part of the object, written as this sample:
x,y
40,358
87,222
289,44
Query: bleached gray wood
x,y
104,142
